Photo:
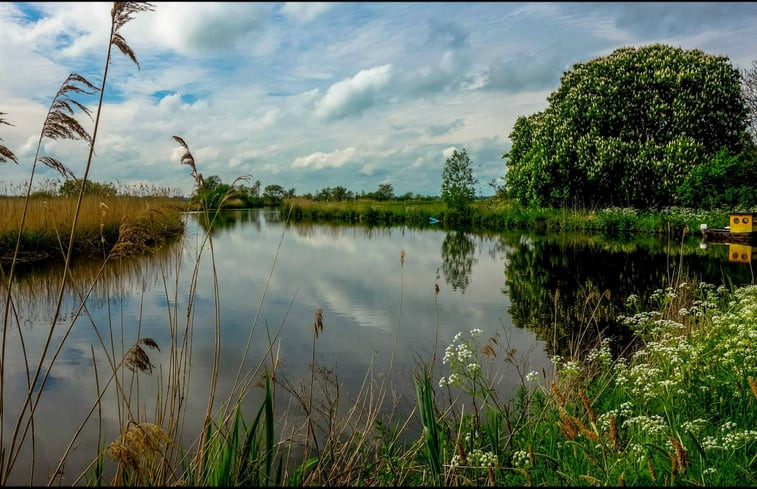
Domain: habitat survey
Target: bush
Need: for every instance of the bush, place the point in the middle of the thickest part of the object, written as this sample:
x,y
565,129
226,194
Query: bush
x,y
727,181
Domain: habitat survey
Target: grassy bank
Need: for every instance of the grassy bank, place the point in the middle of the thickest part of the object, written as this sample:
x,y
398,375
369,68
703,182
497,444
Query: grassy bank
x,y
678,408
135,223
495,214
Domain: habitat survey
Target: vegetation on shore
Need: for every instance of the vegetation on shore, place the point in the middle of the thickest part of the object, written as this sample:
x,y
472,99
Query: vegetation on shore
x,y
135,223
502,213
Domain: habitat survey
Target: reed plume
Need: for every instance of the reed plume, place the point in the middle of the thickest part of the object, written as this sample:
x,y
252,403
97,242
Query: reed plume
x,y
6,154
189,160
587,406
318,322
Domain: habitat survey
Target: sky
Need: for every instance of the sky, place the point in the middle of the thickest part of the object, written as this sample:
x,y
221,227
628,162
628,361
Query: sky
x,y
314,95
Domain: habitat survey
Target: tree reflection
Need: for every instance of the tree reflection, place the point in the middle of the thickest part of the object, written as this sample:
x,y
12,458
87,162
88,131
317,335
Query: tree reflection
x,y
568,290
457,254
227,220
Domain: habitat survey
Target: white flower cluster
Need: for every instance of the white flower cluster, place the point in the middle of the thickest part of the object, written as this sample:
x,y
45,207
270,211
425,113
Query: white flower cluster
x,y
521,459
476,459
570,369
662,296
461,357
733,440
647,424
480,458
624,411
642,322
532,376
602,354
694,426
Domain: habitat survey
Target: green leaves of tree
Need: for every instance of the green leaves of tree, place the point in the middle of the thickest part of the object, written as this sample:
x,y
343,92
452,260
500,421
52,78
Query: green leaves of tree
x,y
457,181
626,129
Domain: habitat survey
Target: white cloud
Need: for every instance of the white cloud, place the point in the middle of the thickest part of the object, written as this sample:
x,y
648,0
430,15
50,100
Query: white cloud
x,y
191,27
304,12
448,152
252,154
353,95
320,160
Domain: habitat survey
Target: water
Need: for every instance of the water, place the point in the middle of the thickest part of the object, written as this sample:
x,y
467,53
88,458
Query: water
x,y
506,284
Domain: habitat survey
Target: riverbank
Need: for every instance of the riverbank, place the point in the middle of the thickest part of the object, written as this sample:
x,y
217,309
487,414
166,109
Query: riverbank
x,y
495,214
121,224
677,408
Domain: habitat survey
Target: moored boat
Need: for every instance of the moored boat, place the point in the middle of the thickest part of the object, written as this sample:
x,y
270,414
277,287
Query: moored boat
x,y
741,229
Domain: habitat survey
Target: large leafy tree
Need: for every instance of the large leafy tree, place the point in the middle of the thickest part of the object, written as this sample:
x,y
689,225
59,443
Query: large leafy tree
x,y
627,128
458,183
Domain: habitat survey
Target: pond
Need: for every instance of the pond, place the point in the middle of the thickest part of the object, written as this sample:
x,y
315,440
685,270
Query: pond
x,y
382,319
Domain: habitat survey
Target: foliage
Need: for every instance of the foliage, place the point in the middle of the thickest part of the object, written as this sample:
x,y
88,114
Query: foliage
x,y
726,182
211,191
678,410
250,194
70,188
273,194
749,91
385,191
457,181
626,129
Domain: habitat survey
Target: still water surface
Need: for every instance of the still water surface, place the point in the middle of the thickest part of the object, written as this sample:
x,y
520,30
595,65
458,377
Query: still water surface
x,y
502,283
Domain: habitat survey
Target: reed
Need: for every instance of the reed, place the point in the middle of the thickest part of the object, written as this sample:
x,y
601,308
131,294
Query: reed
x,y
100,221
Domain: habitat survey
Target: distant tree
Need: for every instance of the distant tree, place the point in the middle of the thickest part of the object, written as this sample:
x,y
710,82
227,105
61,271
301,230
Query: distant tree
x,y
273,194
250,194
323,194
211,192
385,191
70,188
458,183
290,193
340,193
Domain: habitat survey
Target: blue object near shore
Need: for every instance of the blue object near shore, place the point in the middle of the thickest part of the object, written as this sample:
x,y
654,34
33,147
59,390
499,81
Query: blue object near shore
x,y
432,220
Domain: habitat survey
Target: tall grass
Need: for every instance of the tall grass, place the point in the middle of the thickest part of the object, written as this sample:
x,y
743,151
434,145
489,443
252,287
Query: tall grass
x,y
100,220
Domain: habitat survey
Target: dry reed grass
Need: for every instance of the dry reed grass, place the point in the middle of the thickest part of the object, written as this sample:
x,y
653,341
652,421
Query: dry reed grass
x,y
102,220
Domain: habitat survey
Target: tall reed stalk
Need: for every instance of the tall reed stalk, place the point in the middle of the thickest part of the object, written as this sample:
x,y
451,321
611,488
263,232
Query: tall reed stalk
x,y
59,124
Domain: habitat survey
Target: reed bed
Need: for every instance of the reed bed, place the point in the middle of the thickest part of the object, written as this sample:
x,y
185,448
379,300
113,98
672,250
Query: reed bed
x,y
149,221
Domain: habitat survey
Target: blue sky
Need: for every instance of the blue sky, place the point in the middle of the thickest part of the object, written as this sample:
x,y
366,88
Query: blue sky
x,y
310,95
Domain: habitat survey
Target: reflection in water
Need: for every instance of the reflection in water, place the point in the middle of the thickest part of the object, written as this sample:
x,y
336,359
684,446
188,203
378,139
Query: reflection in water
x,y
367,296
36,288
569,289
227,220
458,249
